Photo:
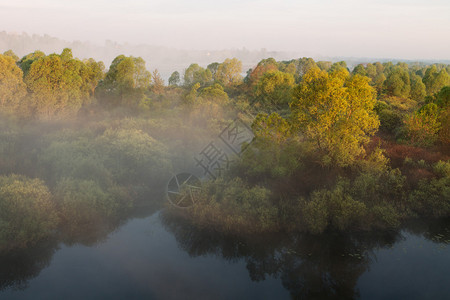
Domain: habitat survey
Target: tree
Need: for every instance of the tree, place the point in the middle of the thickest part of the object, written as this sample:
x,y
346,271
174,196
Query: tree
x,y
442,101
196,74
271,127
174,79
289,67
229,72
92,72
27,60
428,78
359,69
158,82
444,133
398,83
274,88
271,153
56,86
265,65
215,93
12,87
212,67
378,82
418,89
435,80
334,111
304,65
338,65
442,79
423,126
126,81
371,71
190,97
324,65
11,54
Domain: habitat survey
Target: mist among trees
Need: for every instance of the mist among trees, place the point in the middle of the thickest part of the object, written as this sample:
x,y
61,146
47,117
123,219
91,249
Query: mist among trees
x,y
335,149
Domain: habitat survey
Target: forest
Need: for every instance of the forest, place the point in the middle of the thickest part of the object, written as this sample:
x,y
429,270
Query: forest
x,y
83,146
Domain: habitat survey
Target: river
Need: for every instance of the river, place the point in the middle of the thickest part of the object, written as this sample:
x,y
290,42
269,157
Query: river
x,y
161,257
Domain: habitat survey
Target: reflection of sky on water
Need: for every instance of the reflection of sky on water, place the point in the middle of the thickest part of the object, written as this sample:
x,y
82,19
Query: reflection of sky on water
x,y
414,268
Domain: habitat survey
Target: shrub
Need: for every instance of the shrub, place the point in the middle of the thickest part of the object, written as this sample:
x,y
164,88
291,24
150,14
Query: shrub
x,y
27,212
83,202
390,120
234,207
423,127
343,210
315,215
432,198
133,157
386,216
442,168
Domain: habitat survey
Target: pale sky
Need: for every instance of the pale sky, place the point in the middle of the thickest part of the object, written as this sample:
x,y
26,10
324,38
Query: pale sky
x,y
410,29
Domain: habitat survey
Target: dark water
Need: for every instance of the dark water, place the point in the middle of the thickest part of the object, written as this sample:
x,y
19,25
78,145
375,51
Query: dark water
x,y
160,257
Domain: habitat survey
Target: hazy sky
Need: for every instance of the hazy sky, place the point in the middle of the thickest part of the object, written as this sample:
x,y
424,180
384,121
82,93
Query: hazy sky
x,y
394,29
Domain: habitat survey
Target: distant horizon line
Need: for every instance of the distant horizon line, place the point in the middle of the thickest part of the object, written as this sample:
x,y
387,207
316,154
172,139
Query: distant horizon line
x,y
307,53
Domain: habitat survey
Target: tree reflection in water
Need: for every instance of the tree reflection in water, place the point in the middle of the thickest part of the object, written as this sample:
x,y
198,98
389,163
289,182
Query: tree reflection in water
x,y
17,267
20,266
310,267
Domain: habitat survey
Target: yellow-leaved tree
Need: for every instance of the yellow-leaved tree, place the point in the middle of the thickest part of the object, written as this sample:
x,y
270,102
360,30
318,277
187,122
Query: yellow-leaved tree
x,y
334,111
12,87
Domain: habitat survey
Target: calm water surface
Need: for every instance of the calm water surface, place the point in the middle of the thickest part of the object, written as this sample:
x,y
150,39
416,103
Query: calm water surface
x,y
160,257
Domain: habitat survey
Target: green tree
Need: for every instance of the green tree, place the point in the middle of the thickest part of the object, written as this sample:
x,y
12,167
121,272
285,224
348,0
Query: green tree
x,y
92,72
56,85
423,126
442,79
274,88
271,153
27,60
126,81
398,83
379,67
196,74
335,112
12,87
174,79
324,65
442,101
360,69
289,67
378,82
191,96
215,93
212,67
304,65
418,89
435,80
428,78
271,127
371,71
338,65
